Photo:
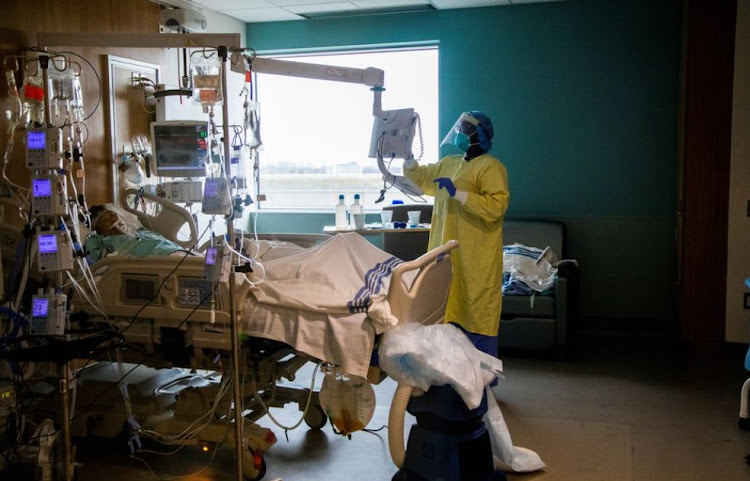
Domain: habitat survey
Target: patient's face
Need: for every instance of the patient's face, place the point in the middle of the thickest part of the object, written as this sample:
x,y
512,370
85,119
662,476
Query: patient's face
x,y
110,223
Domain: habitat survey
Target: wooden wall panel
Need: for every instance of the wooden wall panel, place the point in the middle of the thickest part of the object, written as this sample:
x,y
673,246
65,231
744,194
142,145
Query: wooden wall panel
x,y
706,164
18,30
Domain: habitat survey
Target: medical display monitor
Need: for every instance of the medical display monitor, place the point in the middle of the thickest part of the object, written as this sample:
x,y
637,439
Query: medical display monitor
x,y
180,148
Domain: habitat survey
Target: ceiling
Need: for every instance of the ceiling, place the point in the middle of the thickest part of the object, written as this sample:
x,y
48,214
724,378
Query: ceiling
x,y
252,11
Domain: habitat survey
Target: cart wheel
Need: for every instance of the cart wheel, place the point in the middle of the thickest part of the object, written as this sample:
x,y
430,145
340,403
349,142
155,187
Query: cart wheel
x,y
316,418
253,465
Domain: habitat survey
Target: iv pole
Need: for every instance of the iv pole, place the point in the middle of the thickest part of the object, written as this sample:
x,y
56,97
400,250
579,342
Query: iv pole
x,y
235,336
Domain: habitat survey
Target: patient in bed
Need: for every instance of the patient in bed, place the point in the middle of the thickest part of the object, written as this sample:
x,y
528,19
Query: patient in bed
x,y
111,232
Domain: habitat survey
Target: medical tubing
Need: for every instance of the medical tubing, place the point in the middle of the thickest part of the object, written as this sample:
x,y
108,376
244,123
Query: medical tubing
x,y
213,455
396,424
251,261
91,404
304,412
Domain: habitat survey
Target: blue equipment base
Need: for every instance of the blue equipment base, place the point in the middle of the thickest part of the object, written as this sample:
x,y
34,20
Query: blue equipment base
x,y
449,442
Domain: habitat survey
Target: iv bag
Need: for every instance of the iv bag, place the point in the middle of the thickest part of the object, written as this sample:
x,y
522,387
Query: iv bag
x,y
33,99
206,79
349,401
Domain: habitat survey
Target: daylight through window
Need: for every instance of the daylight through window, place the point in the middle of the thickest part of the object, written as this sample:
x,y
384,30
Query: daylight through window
x,y
316,134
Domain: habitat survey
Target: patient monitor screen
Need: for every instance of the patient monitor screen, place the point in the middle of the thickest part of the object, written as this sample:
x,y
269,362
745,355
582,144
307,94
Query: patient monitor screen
x,y
180,148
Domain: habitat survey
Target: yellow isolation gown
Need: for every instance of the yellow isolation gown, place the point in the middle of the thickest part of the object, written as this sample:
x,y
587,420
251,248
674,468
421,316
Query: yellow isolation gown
x,y
475,297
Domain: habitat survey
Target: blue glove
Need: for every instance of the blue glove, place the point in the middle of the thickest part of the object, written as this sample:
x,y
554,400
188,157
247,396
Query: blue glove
x,y
447,184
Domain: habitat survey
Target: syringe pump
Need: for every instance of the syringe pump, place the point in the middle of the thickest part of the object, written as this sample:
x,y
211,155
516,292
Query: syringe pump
x,y
48,314
44,148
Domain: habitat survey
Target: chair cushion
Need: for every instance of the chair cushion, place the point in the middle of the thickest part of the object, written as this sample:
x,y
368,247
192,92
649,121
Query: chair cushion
x,y
521,306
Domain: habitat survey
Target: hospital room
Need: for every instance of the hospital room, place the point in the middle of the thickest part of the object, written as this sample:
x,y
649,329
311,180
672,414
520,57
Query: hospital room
x,y
407,240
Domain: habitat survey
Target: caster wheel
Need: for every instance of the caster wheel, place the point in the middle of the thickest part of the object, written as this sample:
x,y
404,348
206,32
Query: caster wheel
x,y
253,465
744,423
316,418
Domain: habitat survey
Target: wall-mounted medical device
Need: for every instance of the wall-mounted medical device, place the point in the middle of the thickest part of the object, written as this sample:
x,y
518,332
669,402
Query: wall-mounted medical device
x,y
180,148
48,195
393,134
181,191
55,250
217,264
44,148
48,314
216,197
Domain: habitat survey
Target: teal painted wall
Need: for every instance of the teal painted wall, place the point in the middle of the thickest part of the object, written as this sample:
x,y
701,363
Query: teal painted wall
x,y
584,96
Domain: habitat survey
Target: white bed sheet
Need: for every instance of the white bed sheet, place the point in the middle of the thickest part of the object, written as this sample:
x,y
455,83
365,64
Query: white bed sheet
x,y
316,301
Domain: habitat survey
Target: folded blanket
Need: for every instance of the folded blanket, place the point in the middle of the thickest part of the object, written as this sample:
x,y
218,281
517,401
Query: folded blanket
x,y
527,270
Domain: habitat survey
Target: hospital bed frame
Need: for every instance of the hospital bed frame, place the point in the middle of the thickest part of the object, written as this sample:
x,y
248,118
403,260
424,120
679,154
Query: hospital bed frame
x,y
156,301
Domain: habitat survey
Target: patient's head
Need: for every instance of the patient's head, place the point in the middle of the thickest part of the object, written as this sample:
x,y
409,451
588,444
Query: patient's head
x,y
107,219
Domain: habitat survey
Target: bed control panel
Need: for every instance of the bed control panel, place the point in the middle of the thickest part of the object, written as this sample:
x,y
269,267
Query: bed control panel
x,y
192,292
140,289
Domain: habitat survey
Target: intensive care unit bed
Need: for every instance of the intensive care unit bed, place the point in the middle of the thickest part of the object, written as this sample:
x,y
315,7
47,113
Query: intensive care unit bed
x,y
323,304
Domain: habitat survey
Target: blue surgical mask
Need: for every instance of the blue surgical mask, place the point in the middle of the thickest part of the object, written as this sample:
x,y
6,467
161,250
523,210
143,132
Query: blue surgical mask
x,y
462,141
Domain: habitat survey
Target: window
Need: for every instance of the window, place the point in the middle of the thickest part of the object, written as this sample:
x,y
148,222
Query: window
x,y
316,134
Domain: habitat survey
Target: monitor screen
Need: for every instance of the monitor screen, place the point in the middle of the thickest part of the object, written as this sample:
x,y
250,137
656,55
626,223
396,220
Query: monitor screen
x,y
41,187
211,254
35,139
40,307
47,243
180,148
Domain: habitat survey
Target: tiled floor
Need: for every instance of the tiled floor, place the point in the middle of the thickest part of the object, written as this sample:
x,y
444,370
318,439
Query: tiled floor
x,y
618,411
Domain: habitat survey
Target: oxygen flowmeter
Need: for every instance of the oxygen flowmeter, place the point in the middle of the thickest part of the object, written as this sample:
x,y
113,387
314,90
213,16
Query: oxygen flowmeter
x,y
48,314
44,148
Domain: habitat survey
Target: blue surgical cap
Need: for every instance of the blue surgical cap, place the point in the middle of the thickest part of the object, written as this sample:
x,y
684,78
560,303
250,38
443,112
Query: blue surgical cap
x,y
485,141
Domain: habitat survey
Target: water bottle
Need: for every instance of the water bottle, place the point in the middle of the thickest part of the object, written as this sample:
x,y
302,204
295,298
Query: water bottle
x,y
341,213
356,207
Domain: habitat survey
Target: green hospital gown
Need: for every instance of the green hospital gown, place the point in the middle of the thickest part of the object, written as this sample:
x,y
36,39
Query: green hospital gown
x,y
143,243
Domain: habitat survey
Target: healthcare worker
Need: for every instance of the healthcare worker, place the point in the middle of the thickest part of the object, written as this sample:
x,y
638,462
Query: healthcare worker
x,y
471,198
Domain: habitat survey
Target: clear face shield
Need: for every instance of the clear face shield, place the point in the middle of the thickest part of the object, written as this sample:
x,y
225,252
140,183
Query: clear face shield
x,y
461,132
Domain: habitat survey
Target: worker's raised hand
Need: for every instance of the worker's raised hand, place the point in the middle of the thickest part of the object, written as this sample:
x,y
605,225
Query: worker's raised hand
x,y
447,184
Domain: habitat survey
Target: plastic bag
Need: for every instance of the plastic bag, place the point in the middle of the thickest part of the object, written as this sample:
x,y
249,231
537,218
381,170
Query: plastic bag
x,y
440,354
348,401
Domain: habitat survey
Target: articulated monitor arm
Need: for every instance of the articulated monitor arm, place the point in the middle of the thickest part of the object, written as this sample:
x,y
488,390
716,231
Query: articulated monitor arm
x,y
393,131
370,76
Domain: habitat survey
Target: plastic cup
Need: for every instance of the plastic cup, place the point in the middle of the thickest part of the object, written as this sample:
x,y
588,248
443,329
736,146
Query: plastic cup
x,y
414,216
386,217
359,221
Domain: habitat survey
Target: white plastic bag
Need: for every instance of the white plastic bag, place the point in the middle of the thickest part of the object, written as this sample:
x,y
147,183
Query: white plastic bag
x,y
436,355
506,456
